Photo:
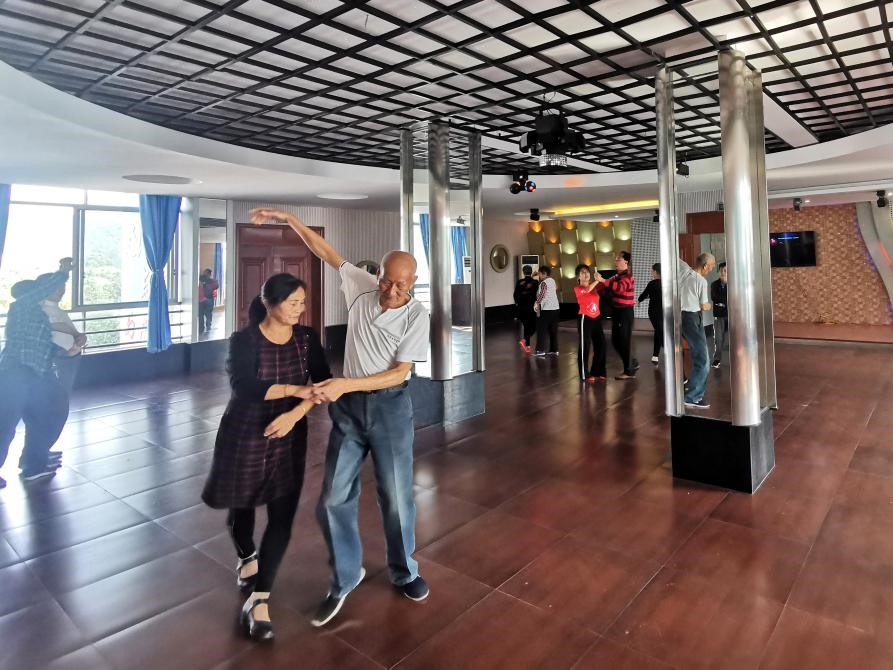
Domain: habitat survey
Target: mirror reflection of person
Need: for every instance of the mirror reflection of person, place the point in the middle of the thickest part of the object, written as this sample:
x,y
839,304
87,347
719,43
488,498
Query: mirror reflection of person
x,y
31,392
654,295
70,342
207,297
719,291
525,298
620,289
371,410
261,446
694,299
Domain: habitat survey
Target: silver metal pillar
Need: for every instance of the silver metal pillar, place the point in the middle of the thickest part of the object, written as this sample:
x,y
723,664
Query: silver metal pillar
x,y
766,322
476,250
407,166
439,260
669,240
740,244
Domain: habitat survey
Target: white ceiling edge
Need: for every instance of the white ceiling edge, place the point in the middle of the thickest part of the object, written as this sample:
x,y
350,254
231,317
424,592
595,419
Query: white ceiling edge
x,y
18,87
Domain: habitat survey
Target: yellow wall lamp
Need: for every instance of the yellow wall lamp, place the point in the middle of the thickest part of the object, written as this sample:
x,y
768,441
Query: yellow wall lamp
x,y
607,207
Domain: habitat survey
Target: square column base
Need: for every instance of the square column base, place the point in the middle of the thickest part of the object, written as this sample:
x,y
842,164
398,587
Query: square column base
x,y
714,452
436,402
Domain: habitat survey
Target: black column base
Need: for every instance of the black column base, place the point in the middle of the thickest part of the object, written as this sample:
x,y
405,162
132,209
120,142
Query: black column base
x,y
714,452
437,402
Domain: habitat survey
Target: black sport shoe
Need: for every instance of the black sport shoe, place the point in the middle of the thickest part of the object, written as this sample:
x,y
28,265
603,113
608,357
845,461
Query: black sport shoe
x,y
698,404
416,590
715,364
34,475
330,607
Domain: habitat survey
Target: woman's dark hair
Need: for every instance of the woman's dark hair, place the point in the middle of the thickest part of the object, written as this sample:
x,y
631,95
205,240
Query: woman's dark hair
x,y
274,291
546,270
582,266
656,268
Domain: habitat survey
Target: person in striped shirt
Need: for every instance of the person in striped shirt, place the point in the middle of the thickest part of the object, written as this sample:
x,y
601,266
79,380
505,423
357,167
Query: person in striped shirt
x,y
620,289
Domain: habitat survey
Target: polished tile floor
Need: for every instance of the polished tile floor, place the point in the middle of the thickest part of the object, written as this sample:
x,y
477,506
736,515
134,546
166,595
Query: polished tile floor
x,y
550,530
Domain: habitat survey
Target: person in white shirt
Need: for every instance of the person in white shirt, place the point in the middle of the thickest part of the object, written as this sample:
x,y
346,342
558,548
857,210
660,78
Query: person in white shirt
x,y
69,340
694,297
371,410
548,308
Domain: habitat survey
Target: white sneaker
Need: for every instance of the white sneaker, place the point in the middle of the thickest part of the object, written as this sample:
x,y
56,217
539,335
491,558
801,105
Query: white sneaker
x,y
655,360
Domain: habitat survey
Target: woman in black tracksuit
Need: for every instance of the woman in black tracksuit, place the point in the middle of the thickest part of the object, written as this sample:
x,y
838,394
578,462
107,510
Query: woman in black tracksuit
x,y
653,295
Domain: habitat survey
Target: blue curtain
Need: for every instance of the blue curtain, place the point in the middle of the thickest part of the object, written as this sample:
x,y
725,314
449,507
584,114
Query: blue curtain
x,y
457,234
218,268
4,216
423,225
159,215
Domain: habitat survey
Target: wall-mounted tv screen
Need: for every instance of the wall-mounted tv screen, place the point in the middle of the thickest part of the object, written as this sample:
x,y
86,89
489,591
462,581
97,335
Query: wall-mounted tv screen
x,y
791,250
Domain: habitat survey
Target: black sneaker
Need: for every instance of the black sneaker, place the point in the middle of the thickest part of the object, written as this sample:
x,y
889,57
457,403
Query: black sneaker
x,y
715,365
635,366
332,605
416,590
34,475
698,404
54,456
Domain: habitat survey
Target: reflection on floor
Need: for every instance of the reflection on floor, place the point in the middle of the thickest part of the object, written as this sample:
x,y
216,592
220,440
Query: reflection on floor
x,y
550,530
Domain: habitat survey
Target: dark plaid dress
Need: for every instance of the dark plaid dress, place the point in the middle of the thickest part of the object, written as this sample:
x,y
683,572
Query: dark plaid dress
x,y
249,469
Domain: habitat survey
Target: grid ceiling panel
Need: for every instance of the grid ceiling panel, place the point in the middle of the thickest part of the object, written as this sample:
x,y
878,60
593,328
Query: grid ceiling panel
x,y
335,79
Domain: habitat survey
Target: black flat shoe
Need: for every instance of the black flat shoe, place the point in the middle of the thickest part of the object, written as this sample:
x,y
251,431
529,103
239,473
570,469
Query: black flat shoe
x,y
247,582
259,631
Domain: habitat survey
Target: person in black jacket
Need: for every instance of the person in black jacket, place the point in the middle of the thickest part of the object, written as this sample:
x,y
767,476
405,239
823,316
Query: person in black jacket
x,y
525,298
261,445
719,296
653,295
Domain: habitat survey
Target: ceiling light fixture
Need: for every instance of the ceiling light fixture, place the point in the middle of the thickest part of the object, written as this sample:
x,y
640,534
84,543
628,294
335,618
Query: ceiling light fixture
x,y
798,203
534,214
608,207
342,196
520,182
551,139
159,179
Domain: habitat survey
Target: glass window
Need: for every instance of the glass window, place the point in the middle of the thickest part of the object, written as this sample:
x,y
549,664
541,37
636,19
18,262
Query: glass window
x,y
113,199
37,236
114,262
48,194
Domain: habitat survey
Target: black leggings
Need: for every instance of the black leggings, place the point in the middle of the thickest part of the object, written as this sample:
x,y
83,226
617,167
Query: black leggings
x,y
622,335
547,324
280,516
657,321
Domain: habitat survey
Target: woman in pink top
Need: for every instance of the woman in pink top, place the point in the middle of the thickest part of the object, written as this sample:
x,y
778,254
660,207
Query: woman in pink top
x,y
590,334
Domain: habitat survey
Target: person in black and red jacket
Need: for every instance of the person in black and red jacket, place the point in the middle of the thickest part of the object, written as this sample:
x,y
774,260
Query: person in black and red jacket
x,y
621,291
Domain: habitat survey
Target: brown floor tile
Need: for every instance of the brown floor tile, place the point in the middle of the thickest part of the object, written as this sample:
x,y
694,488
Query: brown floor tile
x,y
194,524
36,635
865,491
19,588
123,463
198,634
804,640
640,529
64,478
103,557
41,504
68,530
123,600
781,513
438,514
105,449
491,548
751,560
8,556
806,479
685,621
157,474
873,460
865,537
380,622
556,504
690,498
501,632
86,658
854,595
493,482
606,654
585,585
170,498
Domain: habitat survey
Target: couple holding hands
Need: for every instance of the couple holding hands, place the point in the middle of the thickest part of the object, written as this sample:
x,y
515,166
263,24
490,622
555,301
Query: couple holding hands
x,y
279,373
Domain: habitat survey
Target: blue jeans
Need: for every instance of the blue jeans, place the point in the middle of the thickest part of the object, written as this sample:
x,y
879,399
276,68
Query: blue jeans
x,y
380,423
693,332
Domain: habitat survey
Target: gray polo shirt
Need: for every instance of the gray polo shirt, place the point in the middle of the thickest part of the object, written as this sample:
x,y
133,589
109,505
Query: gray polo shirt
x,y
693,289
376,338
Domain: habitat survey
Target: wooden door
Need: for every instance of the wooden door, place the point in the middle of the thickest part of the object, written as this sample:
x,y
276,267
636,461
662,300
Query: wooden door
x,y
267,250
697,224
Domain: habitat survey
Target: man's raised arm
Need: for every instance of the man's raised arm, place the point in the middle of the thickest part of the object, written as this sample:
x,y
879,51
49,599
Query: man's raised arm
x,y
320,248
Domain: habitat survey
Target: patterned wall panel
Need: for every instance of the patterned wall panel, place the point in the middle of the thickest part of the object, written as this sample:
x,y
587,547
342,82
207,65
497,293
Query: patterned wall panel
x,y
844,287
357,234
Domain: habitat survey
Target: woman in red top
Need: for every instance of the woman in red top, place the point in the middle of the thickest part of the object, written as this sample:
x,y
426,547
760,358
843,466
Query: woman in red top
x,y
589,329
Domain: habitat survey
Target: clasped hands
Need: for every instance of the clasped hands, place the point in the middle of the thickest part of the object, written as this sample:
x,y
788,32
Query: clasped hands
x,y
326,391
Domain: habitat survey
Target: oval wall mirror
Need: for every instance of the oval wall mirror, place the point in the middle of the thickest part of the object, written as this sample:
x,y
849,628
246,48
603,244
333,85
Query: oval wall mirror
x,y
499,258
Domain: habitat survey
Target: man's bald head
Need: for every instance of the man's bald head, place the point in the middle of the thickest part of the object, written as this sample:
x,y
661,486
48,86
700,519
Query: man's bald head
x,y
396,277
705,262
